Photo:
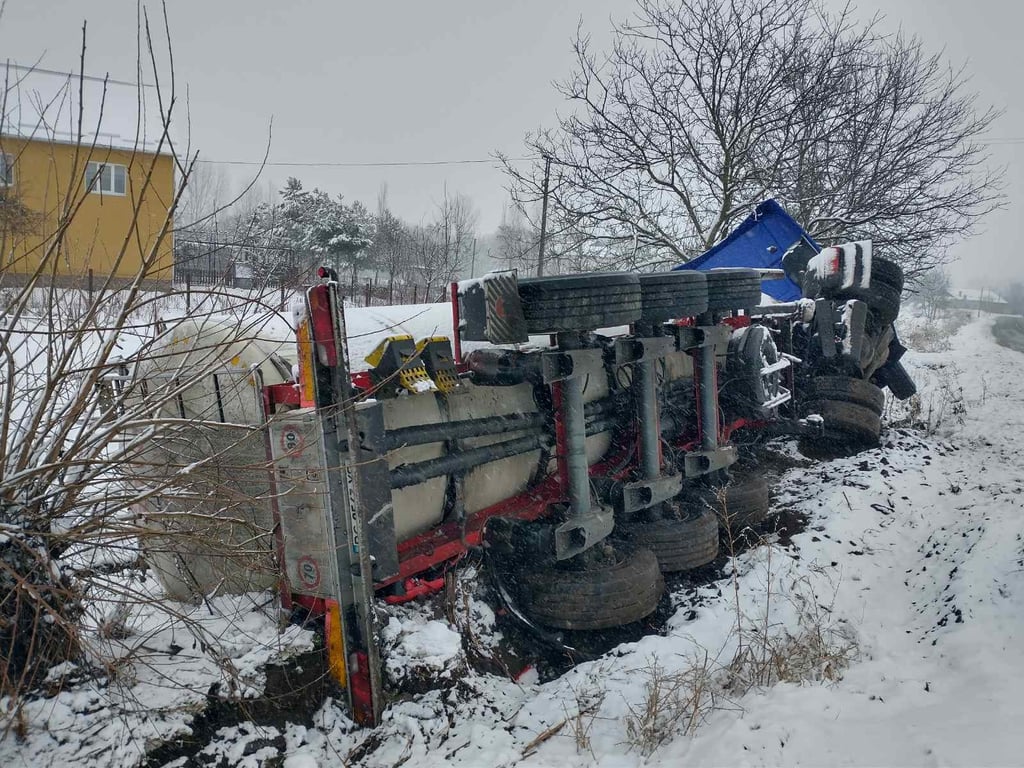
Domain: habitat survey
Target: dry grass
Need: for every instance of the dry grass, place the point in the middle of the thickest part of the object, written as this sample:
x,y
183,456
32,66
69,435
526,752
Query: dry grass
x,y
674,703
818,649
580,721
934,334
812,646
940,403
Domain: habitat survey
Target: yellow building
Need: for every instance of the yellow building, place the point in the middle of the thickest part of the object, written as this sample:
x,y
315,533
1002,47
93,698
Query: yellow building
x,y
118,200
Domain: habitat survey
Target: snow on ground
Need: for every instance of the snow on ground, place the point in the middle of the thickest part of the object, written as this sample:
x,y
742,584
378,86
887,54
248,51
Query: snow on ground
x,y
911,567
895,620
164,659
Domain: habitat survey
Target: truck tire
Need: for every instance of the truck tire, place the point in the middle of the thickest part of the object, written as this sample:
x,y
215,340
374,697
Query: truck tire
x,y
883,301
743,503
888,272
623,589
733,288
670,295
849,390
883,294
580,302
853,424
680,544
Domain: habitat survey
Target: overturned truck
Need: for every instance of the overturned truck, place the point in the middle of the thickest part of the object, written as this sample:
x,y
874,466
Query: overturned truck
x,y
578,427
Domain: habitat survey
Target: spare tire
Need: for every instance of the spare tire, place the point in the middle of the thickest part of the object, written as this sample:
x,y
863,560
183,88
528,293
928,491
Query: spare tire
x,y
883,300
580,302
883,292
847,389
670,295
624,588
882,295
732,288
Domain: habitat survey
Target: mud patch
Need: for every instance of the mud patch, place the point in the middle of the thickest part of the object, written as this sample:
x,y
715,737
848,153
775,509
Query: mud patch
x,y
295,690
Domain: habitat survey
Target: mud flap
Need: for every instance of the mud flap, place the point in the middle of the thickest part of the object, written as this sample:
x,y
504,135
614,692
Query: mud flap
x,y
490,309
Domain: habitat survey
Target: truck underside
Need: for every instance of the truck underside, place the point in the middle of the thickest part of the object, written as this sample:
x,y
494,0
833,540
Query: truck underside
x,y
578,427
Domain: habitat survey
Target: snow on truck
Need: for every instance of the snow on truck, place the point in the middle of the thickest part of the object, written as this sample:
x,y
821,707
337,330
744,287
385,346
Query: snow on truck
x,y
578,427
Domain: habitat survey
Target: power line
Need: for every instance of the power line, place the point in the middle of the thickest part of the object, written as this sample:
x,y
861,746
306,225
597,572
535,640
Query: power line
x,y
92,78
472,161
383,164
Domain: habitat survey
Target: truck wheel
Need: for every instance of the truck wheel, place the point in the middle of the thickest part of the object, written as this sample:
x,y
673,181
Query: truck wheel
x,y
732,288
580,302
751,349
743,503
623,587
847,389
854,424
670,295
680,543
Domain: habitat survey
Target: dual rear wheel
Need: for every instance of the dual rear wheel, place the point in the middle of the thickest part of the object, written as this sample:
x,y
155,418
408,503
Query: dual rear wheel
x,y
620,581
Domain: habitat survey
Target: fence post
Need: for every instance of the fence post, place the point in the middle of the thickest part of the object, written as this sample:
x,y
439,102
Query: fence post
x,y
282,295
188,291
415,288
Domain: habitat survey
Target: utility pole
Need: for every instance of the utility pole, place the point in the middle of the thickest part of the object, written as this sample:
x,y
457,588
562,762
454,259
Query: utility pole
x,y
544,216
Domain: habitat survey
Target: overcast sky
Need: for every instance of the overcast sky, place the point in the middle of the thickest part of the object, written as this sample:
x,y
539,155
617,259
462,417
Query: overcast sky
x,y
406,80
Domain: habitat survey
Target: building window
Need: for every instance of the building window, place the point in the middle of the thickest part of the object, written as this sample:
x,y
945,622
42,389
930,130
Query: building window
x,y
106,178
6,170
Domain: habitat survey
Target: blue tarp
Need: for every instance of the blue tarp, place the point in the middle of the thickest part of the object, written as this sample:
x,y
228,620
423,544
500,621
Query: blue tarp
x,y
760,241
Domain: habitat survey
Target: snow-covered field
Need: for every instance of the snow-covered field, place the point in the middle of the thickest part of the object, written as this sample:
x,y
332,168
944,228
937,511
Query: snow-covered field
x,y
895,621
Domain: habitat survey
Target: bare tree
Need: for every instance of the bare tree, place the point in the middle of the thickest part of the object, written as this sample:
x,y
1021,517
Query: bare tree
x,y
205,197
443,245
517,240
101,418
933,290
391,248
701,109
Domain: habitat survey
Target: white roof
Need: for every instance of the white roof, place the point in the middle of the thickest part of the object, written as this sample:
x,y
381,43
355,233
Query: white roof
x,y
44,105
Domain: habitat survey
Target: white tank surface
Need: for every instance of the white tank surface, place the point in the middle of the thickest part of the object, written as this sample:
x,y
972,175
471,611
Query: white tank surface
x,y
419,507
210,510
498,480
